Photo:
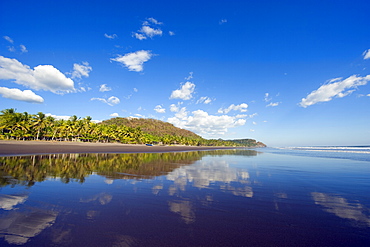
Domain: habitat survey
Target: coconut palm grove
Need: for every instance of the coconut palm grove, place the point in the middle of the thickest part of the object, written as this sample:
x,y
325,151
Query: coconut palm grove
x,y
24,126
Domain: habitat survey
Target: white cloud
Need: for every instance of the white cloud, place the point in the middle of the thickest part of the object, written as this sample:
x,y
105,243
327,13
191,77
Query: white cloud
x,y
366,54
7,38
188,78
154,21
139,36
23,48
174,108
136,90
16,94
204,100
334,88
110,101
84,89
147,29
134,61
267,99
114,115
171,33
80,70
11,48
42,77
104,88
150,32
113,100
113,36
273,104
182,114
222,21
160,109
206,125
253,115
242,108
184,93
58,117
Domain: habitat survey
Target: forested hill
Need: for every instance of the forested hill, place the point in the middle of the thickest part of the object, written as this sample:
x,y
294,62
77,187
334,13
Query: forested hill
x,y
159,128
25,126
151,126
248,143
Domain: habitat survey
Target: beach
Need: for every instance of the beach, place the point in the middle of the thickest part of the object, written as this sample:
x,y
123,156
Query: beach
x,y
11,147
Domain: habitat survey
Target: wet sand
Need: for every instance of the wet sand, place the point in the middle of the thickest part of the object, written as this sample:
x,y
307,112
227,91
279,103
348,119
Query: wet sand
x,y
8,148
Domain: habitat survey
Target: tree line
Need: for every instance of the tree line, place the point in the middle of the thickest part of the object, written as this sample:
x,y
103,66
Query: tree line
x,y
24,126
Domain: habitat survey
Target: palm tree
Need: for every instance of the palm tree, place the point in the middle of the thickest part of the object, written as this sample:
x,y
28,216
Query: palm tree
x,y
39,123
7,121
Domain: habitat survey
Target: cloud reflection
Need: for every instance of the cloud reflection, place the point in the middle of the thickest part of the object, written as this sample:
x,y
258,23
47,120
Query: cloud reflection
x,y
102,198
18,227
206,173
8,202
184,208
341,208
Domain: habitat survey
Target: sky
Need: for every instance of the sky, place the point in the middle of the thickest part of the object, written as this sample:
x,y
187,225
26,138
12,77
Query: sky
x,y
287,73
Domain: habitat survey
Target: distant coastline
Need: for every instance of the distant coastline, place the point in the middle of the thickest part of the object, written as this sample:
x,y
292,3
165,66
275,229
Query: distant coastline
x,y
14,148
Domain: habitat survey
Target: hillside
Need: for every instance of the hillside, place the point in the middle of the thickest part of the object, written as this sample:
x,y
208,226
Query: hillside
x,y
25,126
151,126
248,142
159,128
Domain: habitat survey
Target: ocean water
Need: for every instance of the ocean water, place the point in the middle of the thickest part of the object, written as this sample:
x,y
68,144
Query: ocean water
x,y
262,197
337,152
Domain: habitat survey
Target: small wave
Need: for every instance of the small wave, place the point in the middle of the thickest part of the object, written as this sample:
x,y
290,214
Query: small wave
x,y
358,150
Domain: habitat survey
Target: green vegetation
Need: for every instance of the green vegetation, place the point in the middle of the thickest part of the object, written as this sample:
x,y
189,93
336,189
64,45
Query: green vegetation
x,y
24,126
248,143
151,126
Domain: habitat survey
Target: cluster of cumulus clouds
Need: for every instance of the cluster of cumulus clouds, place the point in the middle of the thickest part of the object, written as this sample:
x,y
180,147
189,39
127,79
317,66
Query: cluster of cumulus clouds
x,y
200,121
39,78
49,78
134,61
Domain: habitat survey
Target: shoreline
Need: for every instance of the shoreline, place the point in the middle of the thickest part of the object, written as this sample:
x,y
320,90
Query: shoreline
x,y
17,148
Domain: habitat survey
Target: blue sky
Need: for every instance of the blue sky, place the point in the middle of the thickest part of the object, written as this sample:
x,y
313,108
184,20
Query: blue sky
x,y
287,73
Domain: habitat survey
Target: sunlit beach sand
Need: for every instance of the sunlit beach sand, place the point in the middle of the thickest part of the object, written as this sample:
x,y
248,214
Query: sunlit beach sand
x,y
53,147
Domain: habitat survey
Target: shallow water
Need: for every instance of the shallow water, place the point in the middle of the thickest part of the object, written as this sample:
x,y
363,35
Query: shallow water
x,y
209,198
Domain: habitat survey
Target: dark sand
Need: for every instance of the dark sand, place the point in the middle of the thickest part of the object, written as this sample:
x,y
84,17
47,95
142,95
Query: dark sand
x,y
9,148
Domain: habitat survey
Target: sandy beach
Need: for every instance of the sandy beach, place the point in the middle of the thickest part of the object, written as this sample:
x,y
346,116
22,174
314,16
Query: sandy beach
x,y
8,148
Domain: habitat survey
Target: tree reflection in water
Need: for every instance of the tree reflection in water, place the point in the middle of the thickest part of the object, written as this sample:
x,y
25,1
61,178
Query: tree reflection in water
x,y
23,218
182,199
27,170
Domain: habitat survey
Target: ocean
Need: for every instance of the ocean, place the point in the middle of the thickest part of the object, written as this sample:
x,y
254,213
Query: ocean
x,y
336,152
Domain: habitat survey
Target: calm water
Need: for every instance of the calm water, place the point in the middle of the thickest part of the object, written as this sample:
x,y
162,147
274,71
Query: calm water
x,y
269,197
